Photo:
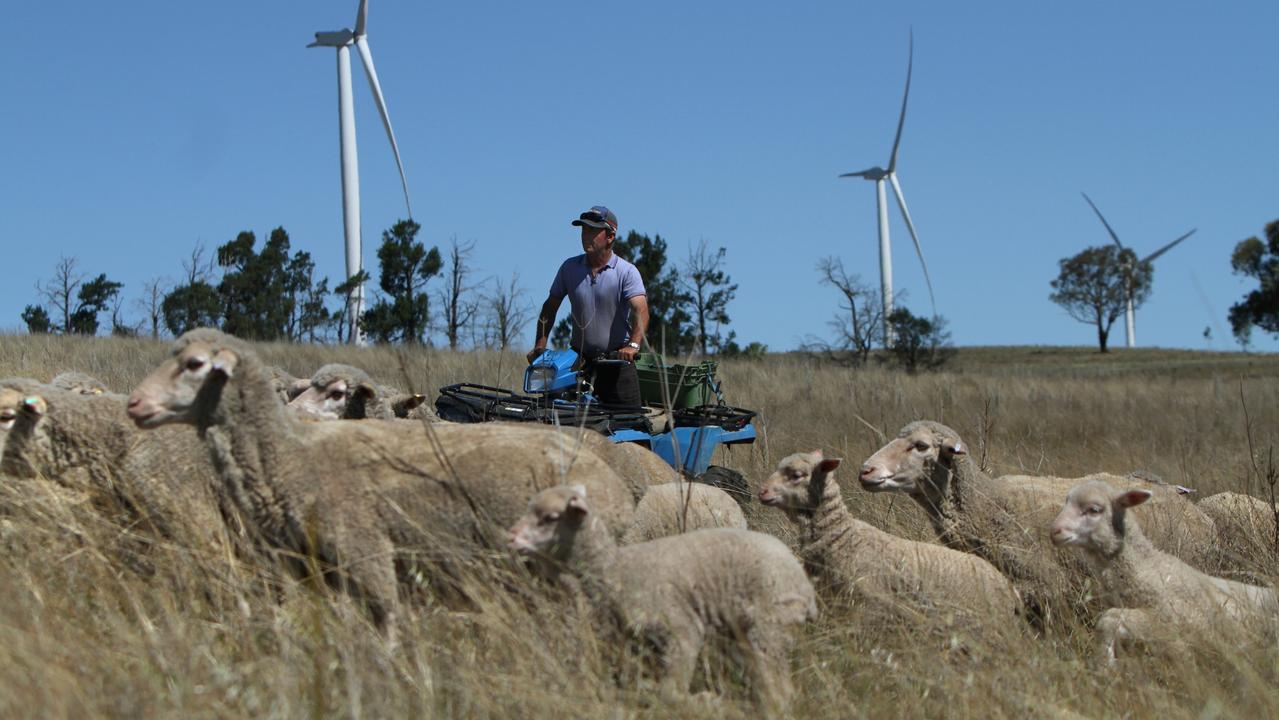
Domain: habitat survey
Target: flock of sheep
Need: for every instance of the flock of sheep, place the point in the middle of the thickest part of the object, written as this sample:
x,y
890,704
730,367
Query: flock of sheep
x,y
359,482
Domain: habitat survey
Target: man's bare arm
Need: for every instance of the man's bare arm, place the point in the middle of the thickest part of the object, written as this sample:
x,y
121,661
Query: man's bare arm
x,y
545,319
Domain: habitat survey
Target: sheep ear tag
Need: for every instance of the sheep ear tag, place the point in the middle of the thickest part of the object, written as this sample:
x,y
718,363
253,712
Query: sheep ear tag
x,y
224,362
1132,498
828,464
35,405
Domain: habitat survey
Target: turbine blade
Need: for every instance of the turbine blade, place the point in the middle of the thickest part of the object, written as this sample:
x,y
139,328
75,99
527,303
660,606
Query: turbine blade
x,y
1103,220
360,17
863,173
901,203
1166,248
901,122
371,72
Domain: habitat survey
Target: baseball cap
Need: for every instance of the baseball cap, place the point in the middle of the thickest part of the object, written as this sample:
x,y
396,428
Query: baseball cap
x,y
598,216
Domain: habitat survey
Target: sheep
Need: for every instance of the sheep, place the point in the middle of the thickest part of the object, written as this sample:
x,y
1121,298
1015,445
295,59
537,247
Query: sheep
x,y
677,507
369,502
79,382
1152,594
1245,527
339,391
673,591
855,560
1004,519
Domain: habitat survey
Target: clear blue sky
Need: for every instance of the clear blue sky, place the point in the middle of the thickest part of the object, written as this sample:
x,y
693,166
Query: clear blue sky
x,y
132,131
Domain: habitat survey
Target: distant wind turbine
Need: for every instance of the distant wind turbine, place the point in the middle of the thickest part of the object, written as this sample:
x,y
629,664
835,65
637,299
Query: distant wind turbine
x,y
343,40
1131,316
879,175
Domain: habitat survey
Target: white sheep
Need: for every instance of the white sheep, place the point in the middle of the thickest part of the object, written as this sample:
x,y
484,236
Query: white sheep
x,y
344,392
910,580
676,591
1153,595
1005,519
79,382
678,507
1245,528
370,502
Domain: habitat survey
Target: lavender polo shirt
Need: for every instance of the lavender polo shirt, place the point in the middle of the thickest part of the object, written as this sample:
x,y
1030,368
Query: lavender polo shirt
x,y
600,308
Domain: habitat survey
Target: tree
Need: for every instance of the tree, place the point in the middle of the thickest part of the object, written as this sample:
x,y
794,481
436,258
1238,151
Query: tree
x,y
194,303
1091,286
707,293
403,314
59,292
1258,260
857,327
668,320
37,319
255,300
341,317
507,313
458,310
92,298
919,343
152,303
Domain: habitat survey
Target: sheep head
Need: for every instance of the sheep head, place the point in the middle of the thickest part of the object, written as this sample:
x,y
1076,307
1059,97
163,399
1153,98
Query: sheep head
x,y
24,422
1093,517
551,524
203,360
798,482
335,392
78,382
918,461
10,405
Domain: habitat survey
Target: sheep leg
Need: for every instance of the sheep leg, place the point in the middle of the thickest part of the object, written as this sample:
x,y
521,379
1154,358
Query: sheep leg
x,y
1118,625
769,667
679,660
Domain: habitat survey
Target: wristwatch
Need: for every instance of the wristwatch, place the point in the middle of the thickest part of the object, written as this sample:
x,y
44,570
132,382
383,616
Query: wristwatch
x,y
633,345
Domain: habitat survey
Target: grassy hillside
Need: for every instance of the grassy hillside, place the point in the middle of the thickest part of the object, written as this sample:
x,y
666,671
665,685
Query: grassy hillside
x,y
82,633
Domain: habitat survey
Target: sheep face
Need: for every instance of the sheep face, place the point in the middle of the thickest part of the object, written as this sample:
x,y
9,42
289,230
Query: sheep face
x,y
170,393
78,383
1093,517
334,400
10,403
28,446
791,486
907,463
553,519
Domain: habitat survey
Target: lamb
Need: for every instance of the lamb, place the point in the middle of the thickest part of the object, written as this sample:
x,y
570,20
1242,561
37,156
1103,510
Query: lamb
x,y
1245,527
339,391
678,507
1153,594
1004,519
79,382
674,591
371,503
906,579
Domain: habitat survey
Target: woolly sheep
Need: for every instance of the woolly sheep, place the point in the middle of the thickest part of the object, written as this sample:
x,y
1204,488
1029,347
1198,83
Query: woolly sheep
x,y
285,384
78,382
1245,528
338,391
675,591
912,580
678,507
371,502
1152,594
1005,519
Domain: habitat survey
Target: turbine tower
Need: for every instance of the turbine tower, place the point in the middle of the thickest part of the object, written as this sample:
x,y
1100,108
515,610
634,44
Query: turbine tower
x,y
343,40
1130,315
879,175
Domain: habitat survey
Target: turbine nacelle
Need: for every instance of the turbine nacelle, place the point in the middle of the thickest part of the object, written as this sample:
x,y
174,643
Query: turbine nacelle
x,y
335,39
876,173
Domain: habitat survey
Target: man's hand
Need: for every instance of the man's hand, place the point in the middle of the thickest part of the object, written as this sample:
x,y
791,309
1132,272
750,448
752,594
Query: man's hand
x,y
534,354
627,353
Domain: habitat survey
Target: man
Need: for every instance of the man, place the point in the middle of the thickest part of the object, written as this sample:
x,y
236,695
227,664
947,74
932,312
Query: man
x,y
609,310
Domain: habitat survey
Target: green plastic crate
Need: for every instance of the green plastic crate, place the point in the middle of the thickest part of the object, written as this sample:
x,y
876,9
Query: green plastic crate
x,y
685,385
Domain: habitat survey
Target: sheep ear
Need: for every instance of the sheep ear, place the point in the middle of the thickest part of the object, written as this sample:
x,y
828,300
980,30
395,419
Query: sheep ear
x,y
414,400
364,389
224,362
297,387
1132,498
35,405
829,464
954,446
577,503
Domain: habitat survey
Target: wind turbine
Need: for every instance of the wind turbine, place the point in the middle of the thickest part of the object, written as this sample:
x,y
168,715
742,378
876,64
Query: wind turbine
x,y
343,40
1131,316
879,175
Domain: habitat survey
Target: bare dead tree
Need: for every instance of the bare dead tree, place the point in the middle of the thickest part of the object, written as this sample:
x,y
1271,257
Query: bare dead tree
x,y
858,324
197,268
708,291
151,304
459,305
508,311
60,290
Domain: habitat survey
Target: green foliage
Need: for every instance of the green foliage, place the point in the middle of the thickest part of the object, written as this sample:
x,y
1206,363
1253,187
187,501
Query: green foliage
x,y
1254,259
668,319
92,298
403,313
1091,286
919,343
37,319
562,334
707,292
186,307
255,300
753,351
346,291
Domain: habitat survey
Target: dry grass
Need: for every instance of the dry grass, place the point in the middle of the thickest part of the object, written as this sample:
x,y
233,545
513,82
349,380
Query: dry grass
x,y
86,629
